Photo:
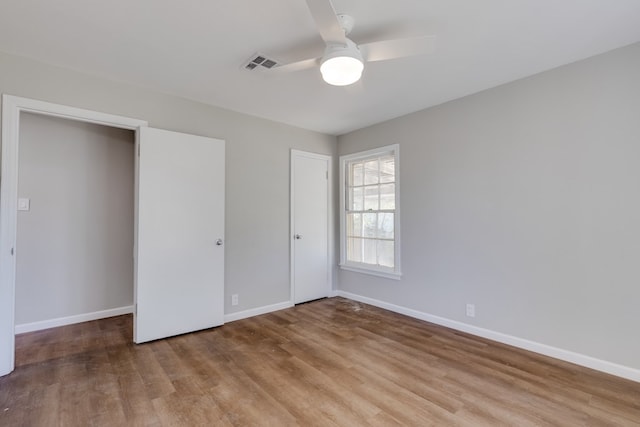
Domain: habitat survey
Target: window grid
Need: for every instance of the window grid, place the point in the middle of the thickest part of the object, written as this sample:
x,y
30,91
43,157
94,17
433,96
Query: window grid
x,y
364,177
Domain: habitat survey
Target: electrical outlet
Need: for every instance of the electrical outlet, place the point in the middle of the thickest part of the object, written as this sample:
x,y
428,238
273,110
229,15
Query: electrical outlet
x,y
234,299
471,310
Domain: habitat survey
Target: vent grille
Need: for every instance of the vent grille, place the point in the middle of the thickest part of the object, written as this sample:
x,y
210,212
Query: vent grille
x,y
259,61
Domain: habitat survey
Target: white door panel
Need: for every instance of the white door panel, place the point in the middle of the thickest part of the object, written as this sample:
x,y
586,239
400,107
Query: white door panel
x,y
311,273
180,212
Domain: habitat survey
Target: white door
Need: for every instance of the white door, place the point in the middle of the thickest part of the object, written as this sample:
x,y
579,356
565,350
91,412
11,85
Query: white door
x,y
179,284
311,278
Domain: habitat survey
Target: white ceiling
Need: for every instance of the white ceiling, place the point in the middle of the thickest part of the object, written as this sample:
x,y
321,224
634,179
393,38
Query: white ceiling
x,y
195,49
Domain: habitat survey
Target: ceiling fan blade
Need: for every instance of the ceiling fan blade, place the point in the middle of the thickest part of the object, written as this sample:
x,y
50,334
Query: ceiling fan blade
x,y
327,22
398,48
297,66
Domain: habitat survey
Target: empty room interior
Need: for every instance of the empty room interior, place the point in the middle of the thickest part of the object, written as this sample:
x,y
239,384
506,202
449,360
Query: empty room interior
x,y
320,212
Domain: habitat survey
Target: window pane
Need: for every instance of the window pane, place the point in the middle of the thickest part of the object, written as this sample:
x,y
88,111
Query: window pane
x,y
369,255
385,225
356,174
385,253
354,224
387,196
354,249
356,199
371,172
370,224
371,198
387,169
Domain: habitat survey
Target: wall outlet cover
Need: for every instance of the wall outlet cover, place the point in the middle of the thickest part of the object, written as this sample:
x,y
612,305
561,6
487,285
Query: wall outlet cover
x,y
471,310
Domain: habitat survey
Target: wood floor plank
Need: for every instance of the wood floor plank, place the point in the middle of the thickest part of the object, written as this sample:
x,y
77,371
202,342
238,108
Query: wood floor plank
x,y
247,402
332,362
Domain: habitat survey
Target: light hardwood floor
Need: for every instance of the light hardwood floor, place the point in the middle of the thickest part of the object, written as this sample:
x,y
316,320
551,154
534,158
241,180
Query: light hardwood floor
x,y
332,362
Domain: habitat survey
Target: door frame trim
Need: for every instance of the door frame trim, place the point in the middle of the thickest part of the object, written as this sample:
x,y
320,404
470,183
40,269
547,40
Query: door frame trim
x,y
330,222
12,107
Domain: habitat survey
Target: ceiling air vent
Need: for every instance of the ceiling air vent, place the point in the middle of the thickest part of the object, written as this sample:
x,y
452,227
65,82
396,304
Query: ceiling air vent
x,y
259,61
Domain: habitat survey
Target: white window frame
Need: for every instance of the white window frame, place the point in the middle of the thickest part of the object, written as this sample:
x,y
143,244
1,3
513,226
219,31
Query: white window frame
x,y
390,273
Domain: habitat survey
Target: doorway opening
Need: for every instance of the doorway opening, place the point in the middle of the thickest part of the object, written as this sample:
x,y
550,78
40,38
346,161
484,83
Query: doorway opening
x,y
74,243
15,110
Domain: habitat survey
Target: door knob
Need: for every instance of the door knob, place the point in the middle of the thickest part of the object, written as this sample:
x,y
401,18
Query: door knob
x,y
219,242
298,236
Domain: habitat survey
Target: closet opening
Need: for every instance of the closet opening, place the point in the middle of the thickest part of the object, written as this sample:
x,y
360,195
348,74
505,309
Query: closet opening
x,y
75,230
67,219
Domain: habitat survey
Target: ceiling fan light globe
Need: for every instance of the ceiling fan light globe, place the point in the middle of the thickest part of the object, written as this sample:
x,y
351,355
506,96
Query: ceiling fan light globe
x,y
341,70
342,65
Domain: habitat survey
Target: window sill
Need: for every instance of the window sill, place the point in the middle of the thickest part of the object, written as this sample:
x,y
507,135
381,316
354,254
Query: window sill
x,y
385,274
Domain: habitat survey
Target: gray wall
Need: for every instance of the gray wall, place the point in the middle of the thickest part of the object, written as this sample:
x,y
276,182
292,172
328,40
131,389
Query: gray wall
x,y
525,200
257,169
76,241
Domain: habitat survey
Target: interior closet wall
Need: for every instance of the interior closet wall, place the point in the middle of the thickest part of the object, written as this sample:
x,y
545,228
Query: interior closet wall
x,y
75,244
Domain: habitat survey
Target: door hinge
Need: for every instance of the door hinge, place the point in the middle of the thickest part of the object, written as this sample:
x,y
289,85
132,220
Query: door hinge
x,y
327,174
11,251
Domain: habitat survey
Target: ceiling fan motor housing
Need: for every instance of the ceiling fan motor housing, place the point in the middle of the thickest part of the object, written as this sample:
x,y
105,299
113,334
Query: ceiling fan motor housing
x,y
346,22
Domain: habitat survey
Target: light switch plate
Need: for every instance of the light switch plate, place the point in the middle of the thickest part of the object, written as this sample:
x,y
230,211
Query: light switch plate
x,y
24,204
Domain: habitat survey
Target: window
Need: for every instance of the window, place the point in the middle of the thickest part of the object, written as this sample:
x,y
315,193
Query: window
x,y
369,223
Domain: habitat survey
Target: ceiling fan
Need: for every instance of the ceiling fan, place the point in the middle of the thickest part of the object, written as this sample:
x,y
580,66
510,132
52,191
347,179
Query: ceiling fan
x,y
343,60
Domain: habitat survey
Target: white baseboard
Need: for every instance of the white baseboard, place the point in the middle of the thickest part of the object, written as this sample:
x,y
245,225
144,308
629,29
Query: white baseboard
x,y
558,353
257,311
70,320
